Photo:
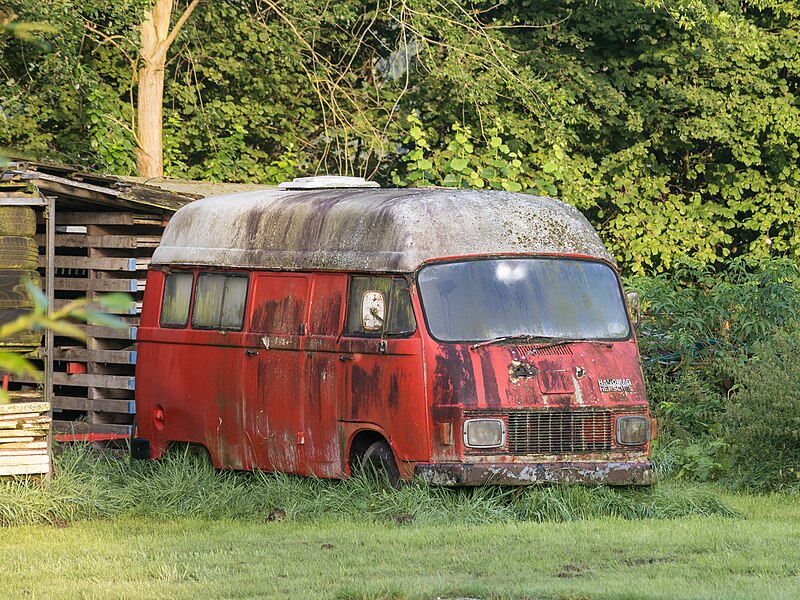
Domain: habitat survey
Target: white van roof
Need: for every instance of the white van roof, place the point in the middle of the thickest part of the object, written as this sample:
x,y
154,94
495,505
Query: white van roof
x,y
369,229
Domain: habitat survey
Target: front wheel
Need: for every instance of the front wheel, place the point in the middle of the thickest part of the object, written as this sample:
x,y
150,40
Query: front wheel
x,y
379,459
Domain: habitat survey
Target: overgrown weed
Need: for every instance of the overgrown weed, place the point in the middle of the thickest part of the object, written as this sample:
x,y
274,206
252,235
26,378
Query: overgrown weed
x,y
92,485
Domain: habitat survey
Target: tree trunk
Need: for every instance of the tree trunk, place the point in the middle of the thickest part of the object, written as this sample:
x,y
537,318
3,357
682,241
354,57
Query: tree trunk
x,y
156,41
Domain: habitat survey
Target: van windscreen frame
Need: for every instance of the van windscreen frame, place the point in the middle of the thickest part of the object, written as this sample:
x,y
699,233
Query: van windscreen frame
x,y
460,299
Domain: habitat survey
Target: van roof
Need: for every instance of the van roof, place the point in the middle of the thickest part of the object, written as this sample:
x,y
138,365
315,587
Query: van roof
x,y
371,230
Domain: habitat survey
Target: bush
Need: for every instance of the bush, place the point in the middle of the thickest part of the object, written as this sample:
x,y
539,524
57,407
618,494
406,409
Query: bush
x,y
703,332
762,422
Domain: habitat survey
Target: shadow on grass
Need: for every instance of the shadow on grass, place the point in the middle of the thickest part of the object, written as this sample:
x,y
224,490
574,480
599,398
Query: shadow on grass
x,y
91,485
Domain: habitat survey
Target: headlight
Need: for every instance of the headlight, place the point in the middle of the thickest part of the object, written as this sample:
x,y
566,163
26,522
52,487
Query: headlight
x,y
484,433
633,431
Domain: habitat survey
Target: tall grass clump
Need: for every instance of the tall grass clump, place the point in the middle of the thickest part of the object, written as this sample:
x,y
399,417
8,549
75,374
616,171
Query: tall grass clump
x,y
88,485
704,341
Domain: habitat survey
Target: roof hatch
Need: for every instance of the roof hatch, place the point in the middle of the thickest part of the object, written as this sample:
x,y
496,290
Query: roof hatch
x,y
327,182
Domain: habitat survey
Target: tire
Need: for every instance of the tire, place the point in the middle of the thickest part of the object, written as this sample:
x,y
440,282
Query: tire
x,y
24,341
379,459
17,221
18,253
13,292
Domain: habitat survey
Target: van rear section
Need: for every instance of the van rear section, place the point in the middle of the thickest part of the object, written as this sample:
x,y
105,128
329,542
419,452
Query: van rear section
x,y
463,337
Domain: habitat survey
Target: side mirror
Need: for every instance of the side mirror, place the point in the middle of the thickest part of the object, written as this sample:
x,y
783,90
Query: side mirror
x,y
373,310
634,303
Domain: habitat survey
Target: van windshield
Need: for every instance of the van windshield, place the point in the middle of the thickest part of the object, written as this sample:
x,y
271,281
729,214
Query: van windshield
x,y
550,298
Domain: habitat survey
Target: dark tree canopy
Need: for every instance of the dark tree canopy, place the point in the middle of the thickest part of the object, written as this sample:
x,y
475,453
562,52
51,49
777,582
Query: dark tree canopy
x,y
674,125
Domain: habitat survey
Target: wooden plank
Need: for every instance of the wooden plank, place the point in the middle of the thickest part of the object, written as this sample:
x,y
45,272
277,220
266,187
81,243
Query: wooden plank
x,y
30,395
114,382
21,436
109,405
97,285
107,218
96,263
82,427
24,451
135,309
6,471
24,432
25,446
111,333
31,459
17,417
79,240
118,357
24,407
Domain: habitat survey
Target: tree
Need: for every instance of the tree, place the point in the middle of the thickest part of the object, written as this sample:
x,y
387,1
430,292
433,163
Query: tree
x,y
156,40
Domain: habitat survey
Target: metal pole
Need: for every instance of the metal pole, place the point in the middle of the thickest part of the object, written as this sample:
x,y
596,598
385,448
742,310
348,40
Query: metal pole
x,y
50,250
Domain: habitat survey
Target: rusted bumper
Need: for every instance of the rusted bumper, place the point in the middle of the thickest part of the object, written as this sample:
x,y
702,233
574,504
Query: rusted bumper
x,y
591,473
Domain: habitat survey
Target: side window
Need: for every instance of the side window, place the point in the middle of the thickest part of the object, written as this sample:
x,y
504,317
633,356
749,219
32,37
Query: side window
x,y
379,306
219,301
177,297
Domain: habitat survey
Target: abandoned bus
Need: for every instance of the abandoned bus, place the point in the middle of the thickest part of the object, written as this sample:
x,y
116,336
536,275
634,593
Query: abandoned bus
x,y
462,336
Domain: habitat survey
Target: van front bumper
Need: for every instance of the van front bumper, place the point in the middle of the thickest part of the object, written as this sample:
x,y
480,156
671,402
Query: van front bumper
x,y
591,473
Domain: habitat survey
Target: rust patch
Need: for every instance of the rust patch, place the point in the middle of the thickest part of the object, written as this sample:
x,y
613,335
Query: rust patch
x,y
492,394
394,391
453,378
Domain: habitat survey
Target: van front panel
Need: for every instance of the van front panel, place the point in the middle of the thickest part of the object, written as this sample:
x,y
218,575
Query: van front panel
x,y
532,372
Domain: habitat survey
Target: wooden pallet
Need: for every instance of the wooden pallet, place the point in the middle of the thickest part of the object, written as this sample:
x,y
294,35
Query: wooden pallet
x,y
24,427
97,253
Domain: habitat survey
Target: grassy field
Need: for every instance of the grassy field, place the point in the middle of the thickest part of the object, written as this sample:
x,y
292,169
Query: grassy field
x,y
110,529
755,555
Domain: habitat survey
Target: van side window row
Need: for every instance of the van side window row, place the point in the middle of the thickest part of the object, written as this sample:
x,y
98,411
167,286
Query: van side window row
x,y
219,300
377,305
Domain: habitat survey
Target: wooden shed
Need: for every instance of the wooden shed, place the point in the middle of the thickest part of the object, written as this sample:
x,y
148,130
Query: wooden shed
x,y
101,238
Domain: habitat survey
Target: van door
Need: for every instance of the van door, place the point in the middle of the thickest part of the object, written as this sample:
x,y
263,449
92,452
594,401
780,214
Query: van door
x,y
323,447
276,366
381,369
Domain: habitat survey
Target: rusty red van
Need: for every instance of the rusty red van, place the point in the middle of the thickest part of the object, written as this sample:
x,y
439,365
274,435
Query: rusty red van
x,y
462,336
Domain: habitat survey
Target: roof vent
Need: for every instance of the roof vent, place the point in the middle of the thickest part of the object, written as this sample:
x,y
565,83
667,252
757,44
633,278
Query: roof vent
x,y
327,182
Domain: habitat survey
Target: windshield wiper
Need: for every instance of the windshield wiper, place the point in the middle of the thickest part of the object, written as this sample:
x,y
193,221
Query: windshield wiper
x,y
524,337
566,341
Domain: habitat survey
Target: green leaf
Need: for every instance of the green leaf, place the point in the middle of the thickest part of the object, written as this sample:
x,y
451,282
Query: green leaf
x,y
459,164
116,301
16,364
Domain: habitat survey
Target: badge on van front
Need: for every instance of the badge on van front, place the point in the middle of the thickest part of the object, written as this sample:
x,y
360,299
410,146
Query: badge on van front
x,y
615,385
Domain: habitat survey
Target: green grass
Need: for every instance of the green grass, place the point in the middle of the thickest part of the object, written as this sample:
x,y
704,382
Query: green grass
x,y
90,486
690,557
109,529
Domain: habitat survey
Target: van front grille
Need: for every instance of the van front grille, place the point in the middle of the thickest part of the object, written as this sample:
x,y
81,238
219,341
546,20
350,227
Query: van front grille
x,y
559,432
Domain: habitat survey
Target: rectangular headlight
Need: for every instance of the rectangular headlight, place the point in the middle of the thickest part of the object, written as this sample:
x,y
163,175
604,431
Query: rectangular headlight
x,y
484,433
633,431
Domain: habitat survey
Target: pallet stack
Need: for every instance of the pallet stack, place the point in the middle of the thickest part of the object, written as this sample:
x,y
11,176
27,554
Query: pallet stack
x,y
24,426
96,253
25,421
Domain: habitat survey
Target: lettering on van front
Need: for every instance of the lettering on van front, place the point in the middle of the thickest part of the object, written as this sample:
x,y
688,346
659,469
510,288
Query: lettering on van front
x,y
615,385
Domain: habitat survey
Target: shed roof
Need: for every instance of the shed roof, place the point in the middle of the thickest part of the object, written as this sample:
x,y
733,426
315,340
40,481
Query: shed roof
x,y
375,230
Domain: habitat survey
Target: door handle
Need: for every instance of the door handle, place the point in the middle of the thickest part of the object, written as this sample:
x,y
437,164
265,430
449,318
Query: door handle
x,y
344,357
251,352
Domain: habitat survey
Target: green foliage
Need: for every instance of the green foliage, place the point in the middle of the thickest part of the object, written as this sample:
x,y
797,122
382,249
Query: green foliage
x,y
712,344
763,417
466,162
88,485
675,126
